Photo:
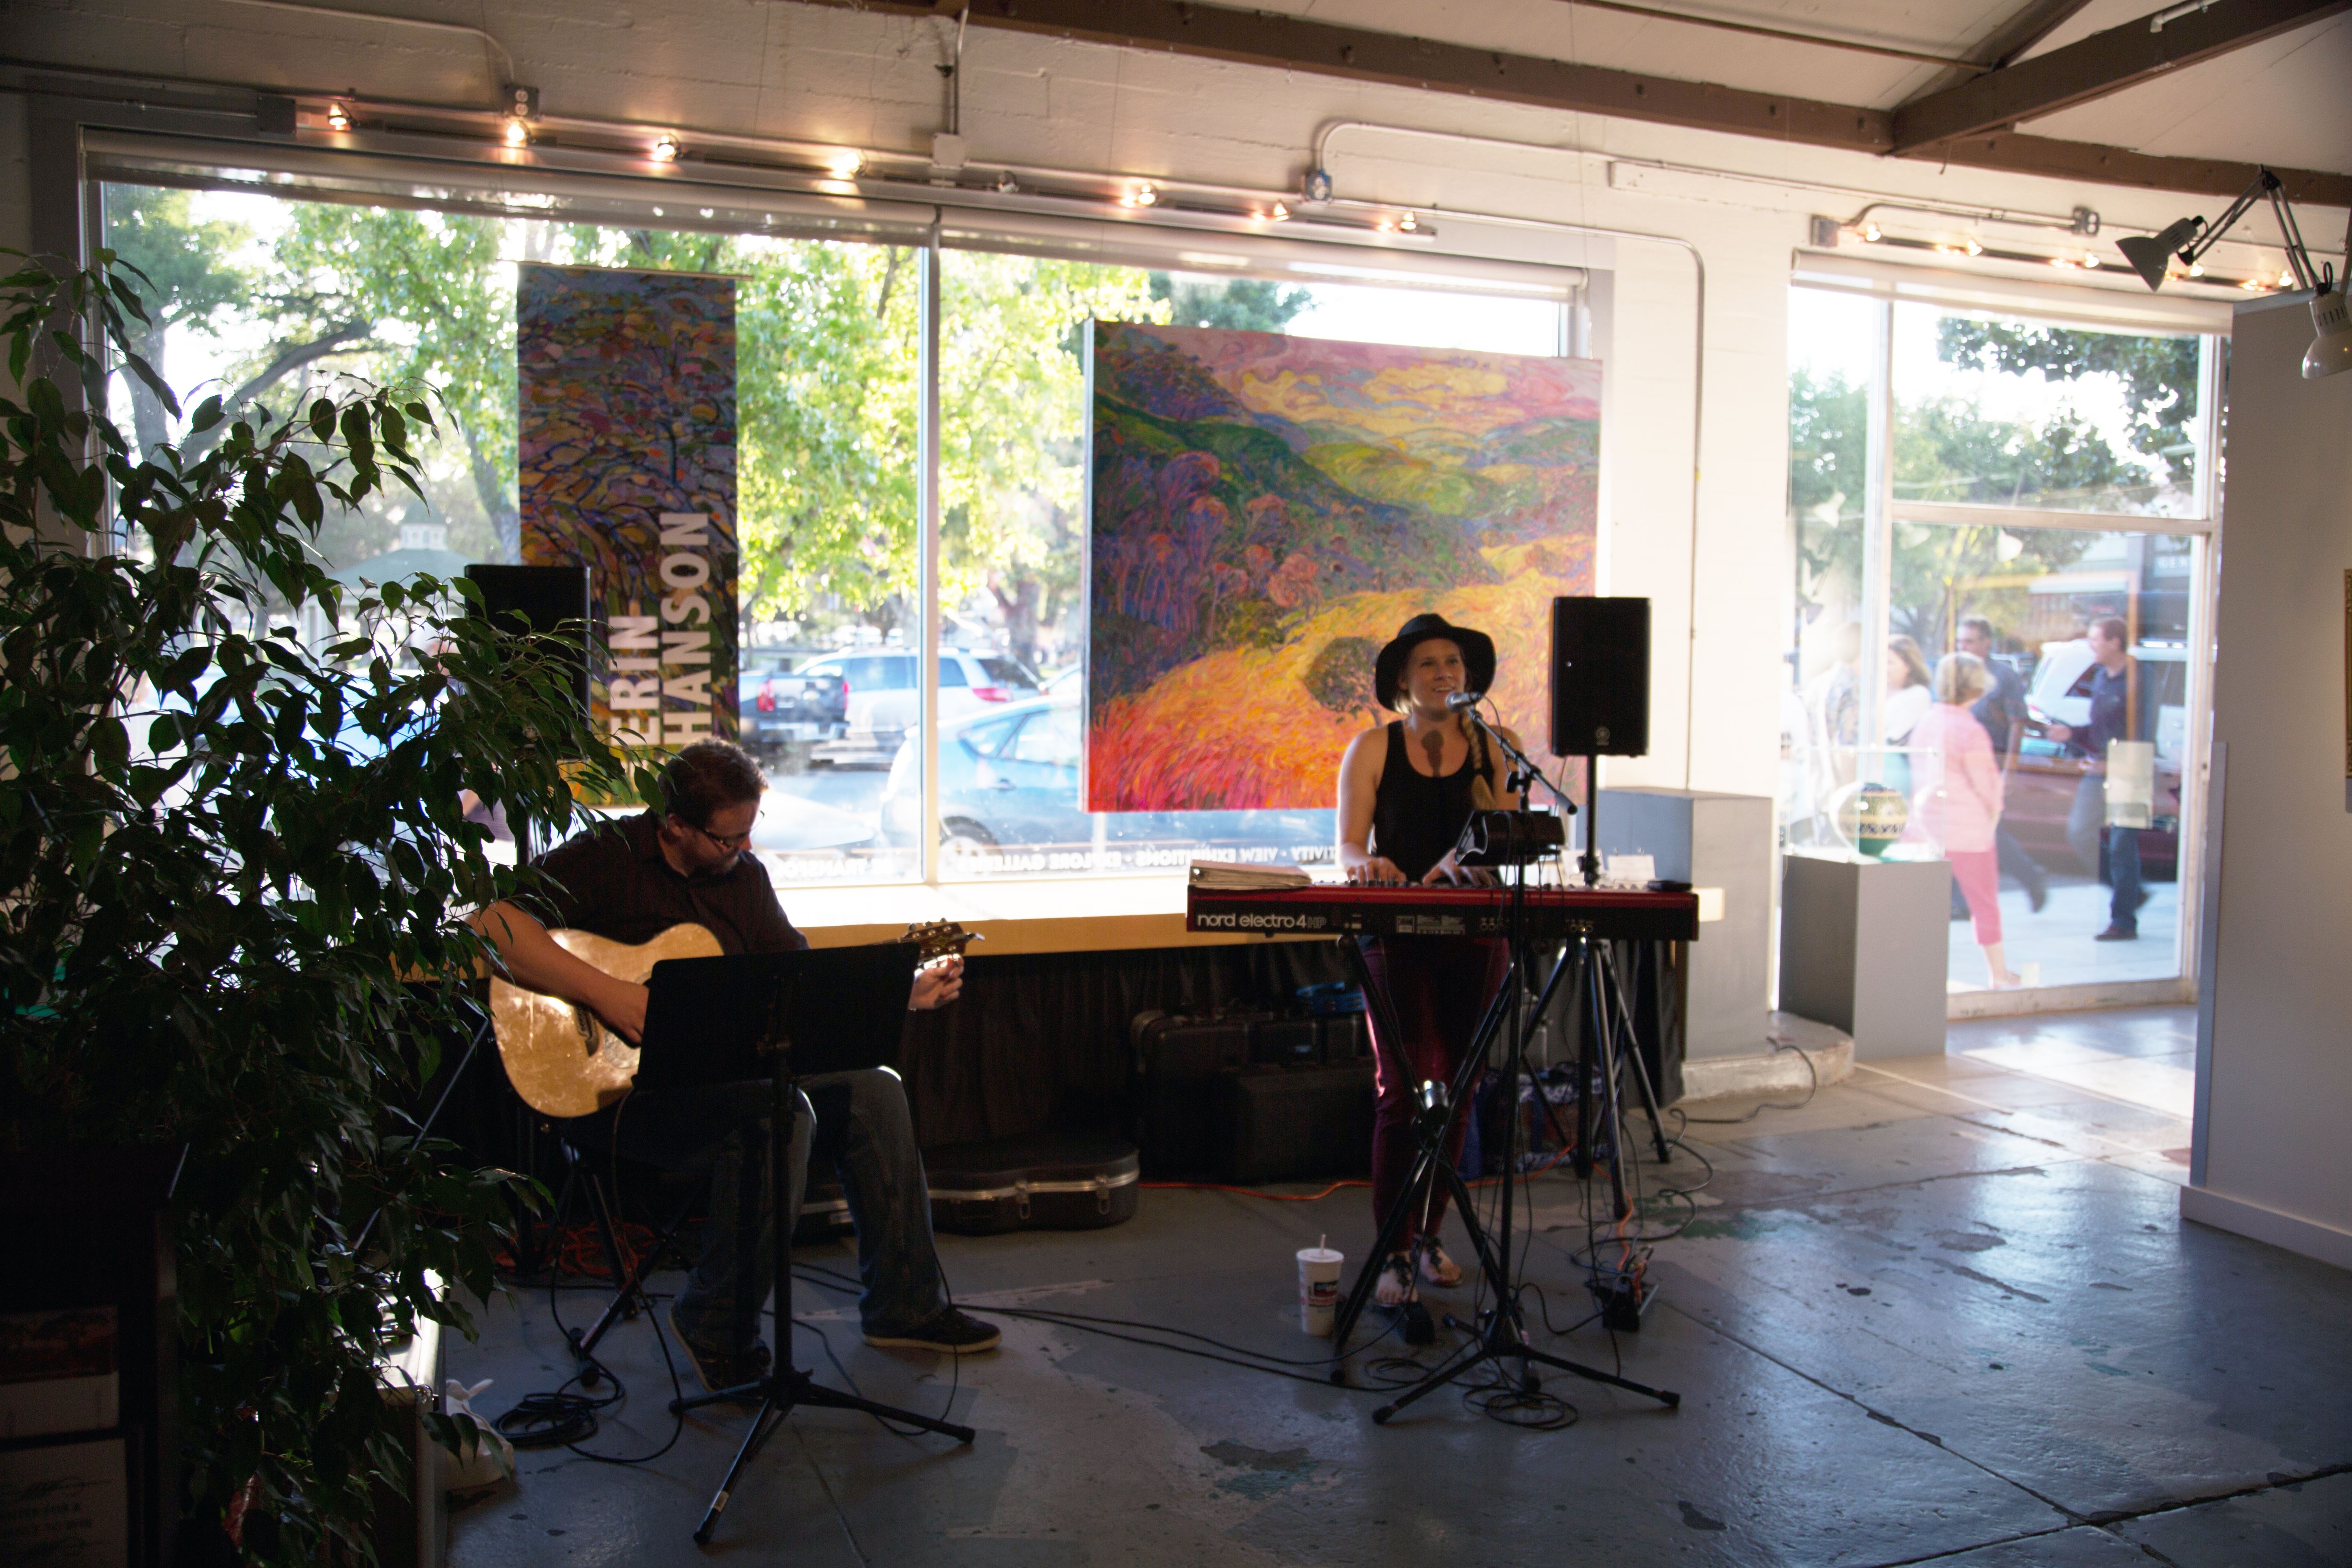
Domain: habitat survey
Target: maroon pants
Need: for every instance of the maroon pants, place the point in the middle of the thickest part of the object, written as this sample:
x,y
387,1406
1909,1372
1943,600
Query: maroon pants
x,y
1439,987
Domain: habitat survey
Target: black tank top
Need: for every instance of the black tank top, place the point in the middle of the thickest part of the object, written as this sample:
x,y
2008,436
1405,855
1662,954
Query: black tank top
x,y
1416,818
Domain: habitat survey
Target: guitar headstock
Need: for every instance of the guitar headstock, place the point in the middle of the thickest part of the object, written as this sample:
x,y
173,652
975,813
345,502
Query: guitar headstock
x,y
935,940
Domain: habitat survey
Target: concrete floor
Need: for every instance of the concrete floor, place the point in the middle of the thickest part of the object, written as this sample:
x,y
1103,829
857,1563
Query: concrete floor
x,y
1948,1312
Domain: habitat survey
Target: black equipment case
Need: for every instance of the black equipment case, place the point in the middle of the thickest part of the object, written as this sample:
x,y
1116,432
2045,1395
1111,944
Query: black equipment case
x,y
1039,1181
1294,1123
1175,1063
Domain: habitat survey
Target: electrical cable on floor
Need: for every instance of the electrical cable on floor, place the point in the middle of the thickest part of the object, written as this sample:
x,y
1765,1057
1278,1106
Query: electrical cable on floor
x,y
1254,1192
825,1278
559,1418
1754,1111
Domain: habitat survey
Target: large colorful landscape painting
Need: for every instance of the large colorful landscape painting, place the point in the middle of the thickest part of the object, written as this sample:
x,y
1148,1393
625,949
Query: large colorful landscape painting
x,y
1266,511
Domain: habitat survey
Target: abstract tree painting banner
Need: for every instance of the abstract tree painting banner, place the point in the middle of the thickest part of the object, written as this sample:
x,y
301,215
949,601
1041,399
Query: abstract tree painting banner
x,y
628,468
1265,510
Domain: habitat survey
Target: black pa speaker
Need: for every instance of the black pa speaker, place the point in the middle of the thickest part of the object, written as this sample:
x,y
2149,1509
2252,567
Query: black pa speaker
x,y
541,601
1599,677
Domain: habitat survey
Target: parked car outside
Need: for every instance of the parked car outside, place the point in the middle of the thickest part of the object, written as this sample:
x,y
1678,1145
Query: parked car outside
x,y
783,714
885,701
2042,784
1009,782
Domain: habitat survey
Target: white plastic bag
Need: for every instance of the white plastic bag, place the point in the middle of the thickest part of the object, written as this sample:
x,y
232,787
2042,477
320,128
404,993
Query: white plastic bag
x,y
2131,784
486,1459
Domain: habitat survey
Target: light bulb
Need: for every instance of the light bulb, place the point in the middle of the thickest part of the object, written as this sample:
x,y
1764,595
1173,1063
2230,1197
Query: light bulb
x,y
665,148
337,118
1407,224
1145,195
847,163
2196,269
2090,259
1870,232
1973,248
2330,353
2287,277
1280,213
518,133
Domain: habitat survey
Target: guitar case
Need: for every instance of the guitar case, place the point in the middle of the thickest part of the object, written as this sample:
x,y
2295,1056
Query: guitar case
x,y
1039,1181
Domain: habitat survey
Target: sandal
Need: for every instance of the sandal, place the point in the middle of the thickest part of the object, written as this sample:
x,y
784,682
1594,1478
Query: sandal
x,y
1396,1287
1436,1267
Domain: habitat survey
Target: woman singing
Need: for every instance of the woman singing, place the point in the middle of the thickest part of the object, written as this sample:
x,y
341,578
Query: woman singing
x,y
1405,791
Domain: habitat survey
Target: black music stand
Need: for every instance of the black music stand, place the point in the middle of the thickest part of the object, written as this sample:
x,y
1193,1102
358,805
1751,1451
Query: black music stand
x,y
1504,1334
822,1011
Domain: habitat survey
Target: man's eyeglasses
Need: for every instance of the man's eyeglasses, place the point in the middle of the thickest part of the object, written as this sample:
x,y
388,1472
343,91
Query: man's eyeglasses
x,y
727,843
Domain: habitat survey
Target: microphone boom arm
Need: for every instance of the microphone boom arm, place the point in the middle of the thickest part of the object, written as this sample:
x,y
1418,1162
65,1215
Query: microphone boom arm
x,y
1526,764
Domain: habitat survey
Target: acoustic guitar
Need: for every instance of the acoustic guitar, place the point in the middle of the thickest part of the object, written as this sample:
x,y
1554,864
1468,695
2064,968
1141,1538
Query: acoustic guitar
x,y
565,1061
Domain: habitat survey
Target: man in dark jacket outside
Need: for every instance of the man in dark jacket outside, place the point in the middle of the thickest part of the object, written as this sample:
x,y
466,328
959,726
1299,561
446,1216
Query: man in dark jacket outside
x,y
2123,707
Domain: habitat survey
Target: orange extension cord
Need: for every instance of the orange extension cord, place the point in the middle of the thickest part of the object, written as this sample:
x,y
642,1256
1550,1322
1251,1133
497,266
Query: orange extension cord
x,y
1318,1197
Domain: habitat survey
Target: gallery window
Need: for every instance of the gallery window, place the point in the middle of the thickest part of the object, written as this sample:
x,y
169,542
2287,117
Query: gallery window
x,y
262,294
2024,490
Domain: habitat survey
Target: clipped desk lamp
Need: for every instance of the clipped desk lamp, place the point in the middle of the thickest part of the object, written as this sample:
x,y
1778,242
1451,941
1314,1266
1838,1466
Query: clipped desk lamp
x,y
2190,237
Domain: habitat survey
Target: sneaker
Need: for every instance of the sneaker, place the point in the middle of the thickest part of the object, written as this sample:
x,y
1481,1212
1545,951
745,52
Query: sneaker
x,y
947,1331
2118,932
720,1370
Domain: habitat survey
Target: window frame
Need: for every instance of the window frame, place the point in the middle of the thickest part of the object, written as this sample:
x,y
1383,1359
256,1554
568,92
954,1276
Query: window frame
x,y
1882,511
389,169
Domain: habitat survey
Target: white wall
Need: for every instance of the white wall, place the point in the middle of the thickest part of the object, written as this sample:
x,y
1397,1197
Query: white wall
x,y
2275,1065
837,74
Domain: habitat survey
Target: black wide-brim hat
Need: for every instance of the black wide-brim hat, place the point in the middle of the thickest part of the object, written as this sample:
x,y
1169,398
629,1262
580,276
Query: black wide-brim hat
x,y
1477,654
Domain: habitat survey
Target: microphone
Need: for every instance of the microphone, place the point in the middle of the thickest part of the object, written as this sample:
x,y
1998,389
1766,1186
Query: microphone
x,y
1457,700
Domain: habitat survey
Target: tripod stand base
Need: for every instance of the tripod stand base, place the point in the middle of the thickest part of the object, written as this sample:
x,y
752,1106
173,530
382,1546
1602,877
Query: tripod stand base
x,y
1503,1339
778,1393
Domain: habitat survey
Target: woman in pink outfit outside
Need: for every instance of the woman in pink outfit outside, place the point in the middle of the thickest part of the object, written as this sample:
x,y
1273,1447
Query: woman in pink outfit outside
x,y
1958,798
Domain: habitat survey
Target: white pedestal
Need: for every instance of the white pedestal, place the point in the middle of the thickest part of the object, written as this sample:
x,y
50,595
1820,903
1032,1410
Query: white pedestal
x,y
1865,946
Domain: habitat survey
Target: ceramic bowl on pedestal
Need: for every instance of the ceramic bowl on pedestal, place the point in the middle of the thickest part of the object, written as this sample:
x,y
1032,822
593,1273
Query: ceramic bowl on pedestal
x,y
1872,818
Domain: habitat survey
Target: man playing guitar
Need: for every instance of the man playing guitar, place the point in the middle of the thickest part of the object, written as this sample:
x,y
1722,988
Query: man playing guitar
x,y
632,879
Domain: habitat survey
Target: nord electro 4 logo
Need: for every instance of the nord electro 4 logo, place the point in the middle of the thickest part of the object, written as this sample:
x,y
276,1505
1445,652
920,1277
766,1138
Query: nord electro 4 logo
x,y
1255,919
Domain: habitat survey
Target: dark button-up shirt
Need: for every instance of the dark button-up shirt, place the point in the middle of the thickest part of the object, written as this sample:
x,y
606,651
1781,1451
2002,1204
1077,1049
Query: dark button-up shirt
x,y
2110,711
2002,707
613,880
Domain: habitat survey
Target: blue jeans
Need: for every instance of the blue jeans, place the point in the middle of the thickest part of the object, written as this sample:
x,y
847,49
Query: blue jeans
x,y
860,1120
2085,823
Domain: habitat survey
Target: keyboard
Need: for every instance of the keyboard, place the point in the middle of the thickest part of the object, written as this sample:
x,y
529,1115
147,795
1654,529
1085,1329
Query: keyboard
x,y
1342,909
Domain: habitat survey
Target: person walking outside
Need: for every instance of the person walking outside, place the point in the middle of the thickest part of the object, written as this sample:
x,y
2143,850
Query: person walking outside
x,y
1908,699
2122,709
1958,798
2001,711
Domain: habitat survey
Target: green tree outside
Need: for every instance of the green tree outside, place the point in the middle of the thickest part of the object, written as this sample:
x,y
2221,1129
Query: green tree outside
x,y
826,367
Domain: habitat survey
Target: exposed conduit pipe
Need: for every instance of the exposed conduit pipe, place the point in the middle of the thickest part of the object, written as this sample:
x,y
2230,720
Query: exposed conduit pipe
x,y
1698,355
505,60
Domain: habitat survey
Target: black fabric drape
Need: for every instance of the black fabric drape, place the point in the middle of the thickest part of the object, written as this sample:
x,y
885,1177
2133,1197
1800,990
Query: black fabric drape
x,y
1041,1040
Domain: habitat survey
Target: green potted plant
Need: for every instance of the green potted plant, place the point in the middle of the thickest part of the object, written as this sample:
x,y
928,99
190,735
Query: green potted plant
x,y
233,870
